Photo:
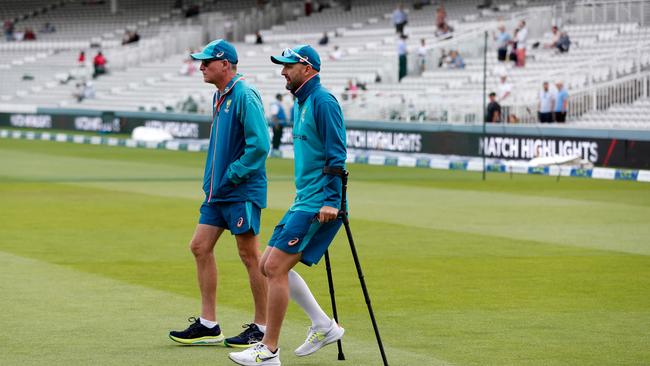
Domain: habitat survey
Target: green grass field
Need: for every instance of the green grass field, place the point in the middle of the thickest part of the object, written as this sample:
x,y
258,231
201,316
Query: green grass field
x,y
95,266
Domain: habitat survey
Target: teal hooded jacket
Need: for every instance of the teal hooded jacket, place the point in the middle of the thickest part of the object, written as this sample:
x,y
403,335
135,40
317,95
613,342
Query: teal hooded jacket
x,y
239,144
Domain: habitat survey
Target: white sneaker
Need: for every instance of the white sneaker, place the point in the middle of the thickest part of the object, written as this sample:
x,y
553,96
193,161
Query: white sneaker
x,y
258,355
317,339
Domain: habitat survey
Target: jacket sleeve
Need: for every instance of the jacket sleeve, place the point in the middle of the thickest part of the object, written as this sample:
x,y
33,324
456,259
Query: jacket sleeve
x,y
330,125
256,134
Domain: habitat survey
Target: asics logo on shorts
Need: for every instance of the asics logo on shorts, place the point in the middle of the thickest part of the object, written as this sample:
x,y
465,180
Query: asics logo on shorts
x,y
240,222
293,241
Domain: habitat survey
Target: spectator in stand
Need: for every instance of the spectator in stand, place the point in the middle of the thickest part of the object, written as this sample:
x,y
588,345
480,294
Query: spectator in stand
x,y
502,41
493,110
192,11
336,54
444,58
400,19
521,39
555,38
485,4
546,104
188,68
130,37
504,89
81,59
441,17
561,103
322,5
278,122
85,90
126,37
444,32
563,43
422,55
19,35
9,30
309,8
48,28
456,61
99,64
513,51
29,35
324,40
402,51
258,38
443,29
351,91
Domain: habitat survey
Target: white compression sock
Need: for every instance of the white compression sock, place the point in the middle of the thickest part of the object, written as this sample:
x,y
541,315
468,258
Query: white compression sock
x,y
301,294
208,323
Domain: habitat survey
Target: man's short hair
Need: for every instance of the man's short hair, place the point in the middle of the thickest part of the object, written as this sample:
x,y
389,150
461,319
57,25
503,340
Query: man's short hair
x,y
492,94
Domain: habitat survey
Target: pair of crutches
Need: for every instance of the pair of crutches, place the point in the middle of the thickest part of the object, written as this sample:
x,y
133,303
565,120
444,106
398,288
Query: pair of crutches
x,y
340,172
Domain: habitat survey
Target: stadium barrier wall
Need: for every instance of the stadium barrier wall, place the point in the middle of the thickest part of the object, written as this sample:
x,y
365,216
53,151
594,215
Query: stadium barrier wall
x,y
619,148
368,157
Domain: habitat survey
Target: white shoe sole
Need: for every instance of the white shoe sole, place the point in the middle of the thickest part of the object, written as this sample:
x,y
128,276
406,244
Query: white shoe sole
x,y
253,363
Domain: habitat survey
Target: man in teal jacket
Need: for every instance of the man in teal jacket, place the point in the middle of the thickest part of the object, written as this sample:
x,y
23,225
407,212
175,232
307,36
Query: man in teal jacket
x,y
307,229
234,183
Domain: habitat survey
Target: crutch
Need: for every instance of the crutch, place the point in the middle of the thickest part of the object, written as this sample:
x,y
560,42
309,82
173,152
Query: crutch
x,y
340,172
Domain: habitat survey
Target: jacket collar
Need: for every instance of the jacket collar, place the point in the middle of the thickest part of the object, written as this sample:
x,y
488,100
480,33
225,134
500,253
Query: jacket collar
x,y
231,84
307,88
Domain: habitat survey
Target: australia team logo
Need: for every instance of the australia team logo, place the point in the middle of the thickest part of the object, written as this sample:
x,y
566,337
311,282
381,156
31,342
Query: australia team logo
x,y
240,222
228,105
302,115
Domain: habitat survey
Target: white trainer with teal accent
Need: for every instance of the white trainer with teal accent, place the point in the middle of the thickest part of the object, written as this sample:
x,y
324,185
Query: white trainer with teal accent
x,y
258,355
319,338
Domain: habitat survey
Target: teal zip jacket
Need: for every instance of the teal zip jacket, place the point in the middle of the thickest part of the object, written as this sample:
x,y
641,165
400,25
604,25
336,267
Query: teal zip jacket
x,y
318,141
239,144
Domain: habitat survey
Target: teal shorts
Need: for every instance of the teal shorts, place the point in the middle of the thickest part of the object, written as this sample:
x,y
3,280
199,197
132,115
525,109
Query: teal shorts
x,y
301,232
238,217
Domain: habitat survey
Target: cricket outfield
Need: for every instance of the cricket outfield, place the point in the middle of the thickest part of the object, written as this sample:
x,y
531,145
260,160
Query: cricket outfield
x,y
95,266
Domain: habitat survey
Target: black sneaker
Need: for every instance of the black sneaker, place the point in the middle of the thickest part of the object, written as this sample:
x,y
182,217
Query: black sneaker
x,y
251,335
198,334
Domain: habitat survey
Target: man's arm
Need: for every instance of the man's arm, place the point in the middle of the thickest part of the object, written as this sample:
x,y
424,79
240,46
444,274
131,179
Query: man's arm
x,y
257,139
329,122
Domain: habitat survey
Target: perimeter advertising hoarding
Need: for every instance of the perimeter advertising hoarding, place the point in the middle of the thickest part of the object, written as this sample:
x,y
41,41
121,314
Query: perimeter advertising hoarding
x,y
627,153
107,122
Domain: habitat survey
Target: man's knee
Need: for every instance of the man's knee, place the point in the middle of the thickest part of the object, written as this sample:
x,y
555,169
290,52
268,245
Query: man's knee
x,y
248,247
262,265
250,257
274,269
200,248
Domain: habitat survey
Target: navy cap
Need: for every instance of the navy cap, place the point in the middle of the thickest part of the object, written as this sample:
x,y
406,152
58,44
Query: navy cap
x,y
303,53
218,49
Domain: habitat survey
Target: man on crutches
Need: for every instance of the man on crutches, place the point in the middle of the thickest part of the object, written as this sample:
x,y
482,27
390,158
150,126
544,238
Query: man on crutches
x,y
307,229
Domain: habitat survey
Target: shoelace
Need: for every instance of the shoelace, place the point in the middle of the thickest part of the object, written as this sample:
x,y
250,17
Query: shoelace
x,y
258,349
250,328
314,335
195,322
